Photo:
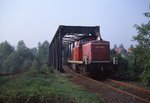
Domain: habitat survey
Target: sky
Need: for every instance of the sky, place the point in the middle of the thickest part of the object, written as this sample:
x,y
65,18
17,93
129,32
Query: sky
x,y
37,20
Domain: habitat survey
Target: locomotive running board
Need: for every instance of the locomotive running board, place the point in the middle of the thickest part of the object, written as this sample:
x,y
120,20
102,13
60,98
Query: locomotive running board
x,y
81,62
77,62
100,62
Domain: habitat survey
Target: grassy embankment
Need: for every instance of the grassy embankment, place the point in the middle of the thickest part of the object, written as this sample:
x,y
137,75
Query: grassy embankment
x,y
37,87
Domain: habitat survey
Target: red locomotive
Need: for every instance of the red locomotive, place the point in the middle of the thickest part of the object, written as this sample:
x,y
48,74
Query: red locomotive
x,y
91,57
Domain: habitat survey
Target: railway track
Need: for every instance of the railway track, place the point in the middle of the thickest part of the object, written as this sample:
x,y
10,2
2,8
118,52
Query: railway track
x,y
126,92
137,92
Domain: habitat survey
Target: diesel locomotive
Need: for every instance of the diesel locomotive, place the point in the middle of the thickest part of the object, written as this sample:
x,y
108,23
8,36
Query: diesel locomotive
x,y
91,57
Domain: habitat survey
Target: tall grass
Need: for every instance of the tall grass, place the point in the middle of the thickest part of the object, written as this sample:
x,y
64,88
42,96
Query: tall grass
x,y
35,87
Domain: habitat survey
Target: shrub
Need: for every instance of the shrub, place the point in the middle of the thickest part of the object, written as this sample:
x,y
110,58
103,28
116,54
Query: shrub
x,y
145,77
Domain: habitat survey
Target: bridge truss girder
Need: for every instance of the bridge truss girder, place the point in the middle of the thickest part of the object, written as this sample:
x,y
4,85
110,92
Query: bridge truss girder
x,y
63,41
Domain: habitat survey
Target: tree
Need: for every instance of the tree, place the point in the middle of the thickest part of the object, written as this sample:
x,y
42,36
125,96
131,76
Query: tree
x,y
43,51
34,51
115,46
5,50
21,45
131,48
19,60
121,46
35,65
142,50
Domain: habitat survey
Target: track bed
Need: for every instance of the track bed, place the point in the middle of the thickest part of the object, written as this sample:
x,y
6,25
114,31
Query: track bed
x,y
109,93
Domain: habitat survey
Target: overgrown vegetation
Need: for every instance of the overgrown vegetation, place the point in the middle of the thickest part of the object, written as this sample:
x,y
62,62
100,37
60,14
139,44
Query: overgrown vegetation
x,y
21,58
42,87
136,64
142,50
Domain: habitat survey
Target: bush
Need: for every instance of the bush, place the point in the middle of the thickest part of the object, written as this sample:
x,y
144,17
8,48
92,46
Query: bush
x,y
35,66
46,69
145,77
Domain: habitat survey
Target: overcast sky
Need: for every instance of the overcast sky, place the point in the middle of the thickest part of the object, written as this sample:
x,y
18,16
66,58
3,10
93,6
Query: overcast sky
x,y
37,20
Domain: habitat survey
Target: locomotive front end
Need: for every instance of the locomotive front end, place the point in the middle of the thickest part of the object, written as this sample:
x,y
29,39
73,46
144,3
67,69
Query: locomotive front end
x,y
96,52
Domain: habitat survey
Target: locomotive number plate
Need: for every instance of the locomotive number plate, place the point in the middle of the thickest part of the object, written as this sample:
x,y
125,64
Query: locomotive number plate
x,y
100,47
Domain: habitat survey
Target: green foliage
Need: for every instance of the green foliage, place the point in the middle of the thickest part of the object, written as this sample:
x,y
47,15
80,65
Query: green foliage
x,y
5,50
19,59
145,77
21,45
22,58
147,14
34,51
37,87
121,59
132,68
142,51
26,64
43,51
46,69
35,65
143,37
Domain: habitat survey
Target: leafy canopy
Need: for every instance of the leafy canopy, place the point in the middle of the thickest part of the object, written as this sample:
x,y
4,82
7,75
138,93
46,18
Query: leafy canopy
x,y
142,51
